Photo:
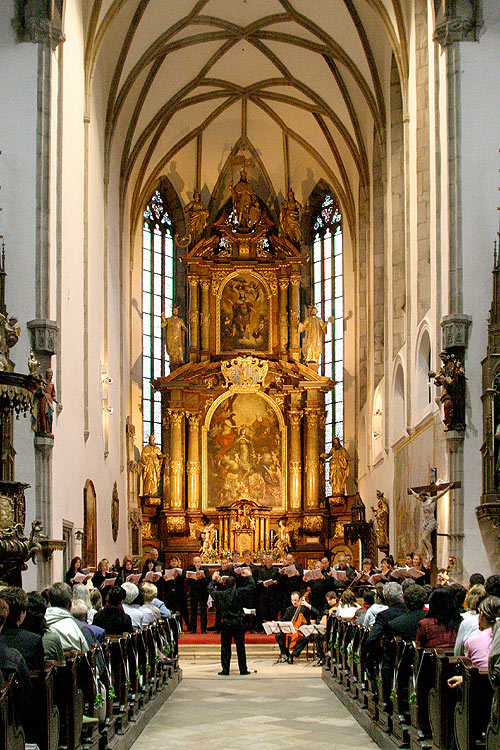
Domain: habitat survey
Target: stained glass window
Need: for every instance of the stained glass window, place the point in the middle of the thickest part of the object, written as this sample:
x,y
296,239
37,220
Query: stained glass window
x,y
157,297
328,297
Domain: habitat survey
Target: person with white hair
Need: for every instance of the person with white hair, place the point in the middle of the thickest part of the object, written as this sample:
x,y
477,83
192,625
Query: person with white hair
x,y
82,592
151,601
138,614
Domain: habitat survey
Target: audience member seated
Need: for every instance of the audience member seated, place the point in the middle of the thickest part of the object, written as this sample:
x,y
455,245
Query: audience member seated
x,y
61,621
406,625
93,633
74,566
379,606
11,661
82,592
112,617
492,586
96,600
35,622
348,606
151,601
439,628
130,606
470,618
28,644
476,578
393,597
460,594
331,606
478,646
368,601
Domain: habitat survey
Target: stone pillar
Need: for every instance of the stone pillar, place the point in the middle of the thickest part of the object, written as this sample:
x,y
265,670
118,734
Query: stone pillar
x,y
312,459
193,466
294,317
266,532
43,500
205,319
283,316
194,319
455,445
295,462
176,459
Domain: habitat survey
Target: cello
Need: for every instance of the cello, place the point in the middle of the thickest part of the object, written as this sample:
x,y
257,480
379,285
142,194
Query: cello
x,y
298,619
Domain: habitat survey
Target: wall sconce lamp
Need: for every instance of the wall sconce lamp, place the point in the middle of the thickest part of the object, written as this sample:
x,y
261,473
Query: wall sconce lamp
x,y
79,535
108,409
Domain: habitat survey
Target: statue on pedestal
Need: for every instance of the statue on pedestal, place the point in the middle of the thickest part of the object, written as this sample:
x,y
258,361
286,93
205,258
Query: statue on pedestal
x,y
339,467
451,378
151,463
312,344
381,513
42,413
207,534
175,328
245,202
197,216
290,210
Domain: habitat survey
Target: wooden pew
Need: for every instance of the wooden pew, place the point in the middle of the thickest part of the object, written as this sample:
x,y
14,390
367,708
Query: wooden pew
x,y
473,710
442,699
69,700
420,683
88,683
405,652
108,730
120,676
352,654
11,731
493,731
45,726
360,666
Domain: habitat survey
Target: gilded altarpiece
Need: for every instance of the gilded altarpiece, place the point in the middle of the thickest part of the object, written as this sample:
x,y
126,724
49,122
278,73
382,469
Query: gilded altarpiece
x,y
243,419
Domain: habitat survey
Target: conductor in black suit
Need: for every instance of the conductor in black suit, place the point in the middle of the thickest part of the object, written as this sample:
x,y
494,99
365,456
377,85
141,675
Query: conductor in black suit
x,y
198,594
229,602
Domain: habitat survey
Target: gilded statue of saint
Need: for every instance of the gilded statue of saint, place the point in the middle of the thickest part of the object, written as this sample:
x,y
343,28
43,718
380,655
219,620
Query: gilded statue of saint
x,y
243,201
197,216
339,467
175,328
382,520
314,330
151,462
290,218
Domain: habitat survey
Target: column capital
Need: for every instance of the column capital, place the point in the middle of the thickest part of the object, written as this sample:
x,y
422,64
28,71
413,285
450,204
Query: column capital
x,y
193,467
176,417
455,330
283,283
294,417
194,419
193,281
312,416
205,284
38,23
295,280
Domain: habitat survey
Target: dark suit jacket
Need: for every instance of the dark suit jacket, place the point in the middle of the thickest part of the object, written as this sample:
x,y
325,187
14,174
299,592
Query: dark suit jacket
x,y
406,625
198,588
380,630
29,645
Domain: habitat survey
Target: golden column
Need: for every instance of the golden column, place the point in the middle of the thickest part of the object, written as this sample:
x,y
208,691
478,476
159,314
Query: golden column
x,y
283,316
312,458
193,466
194,319
294,317
176,459
295,462
205,318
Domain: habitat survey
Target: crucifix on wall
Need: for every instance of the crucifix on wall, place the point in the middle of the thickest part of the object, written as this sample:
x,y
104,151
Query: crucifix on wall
x,y
429,495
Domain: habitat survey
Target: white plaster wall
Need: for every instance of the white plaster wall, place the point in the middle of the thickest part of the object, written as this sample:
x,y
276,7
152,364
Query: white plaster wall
x,y
480,141
18,111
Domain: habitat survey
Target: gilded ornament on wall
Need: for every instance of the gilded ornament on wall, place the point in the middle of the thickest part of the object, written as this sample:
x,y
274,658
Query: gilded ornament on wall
x,y
245,373
176,525
313,524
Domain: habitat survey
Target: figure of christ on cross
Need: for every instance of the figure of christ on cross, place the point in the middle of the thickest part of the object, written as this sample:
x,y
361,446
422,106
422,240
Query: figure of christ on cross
x,y
429,495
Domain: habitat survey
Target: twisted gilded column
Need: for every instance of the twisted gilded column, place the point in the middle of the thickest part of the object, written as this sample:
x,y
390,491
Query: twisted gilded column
x,y
312,458
283,316
176,459
194,319
193,466
294,317
295,462
205,318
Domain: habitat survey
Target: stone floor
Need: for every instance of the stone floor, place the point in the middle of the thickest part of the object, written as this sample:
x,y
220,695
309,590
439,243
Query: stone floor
x,y
282,706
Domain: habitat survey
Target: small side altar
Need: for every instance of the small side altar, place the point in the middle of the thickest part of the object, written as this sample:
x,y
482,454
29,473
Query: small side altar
x,y
243,420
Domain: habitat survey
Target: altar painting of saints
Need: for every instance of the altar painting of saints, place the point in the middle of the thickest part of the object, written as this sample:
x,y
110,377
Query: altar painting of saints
x,y
244,315
244,452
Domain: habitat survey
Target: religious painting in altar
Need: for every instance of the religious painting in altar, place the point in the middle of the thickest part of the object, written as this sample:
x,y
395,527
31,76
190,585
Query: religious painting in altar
x,y
244,451
244,314
413,462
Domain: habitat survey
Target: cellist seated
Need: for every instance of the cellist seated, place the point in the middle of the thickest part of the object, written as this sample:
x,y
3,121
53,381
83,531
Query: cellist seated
x,y
300,613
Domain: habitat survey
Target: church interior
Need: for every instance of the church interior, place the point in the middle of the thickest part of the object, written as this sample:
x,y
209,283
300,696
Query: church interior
x,y
250,300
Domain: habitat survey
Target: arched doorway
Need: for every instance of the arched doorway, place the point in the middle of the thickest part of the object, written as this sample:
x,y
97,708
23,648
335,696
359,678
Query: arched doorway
x,y
89,546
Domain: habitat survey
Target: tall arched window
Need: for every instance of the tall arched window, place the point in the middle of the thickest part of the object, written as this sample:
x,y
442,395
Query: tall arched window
x,y
328,298
157,296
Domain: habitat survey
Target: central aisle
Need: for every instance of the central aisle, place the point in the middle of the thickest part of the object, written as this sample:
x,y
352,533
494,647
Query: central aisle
x,y
282,706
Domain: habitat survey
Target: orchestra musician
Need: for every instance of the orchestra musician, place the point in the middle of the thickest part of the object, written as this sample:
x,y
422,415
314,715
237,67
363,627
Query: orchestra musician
x,y
300,609
320,638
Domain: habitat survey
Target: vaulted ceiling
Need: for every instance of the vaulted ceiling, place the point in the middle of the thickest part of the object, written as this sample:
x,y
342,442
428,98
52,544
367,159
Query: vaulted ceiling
x,y
297,87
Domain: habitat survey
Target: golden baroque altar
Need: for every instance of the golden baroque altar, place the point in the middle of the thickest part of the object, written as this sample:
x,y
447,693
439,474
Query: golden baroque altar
x,y
243,420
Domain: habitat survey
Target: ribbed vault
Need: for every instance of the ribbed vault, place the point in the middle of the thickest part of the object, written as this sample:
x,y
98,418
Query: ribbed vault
x,y
299,84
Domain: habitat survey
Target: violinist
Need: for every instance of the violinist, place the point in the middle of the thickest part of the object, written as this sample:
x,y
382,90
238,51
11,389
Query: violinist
x,y
300,612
